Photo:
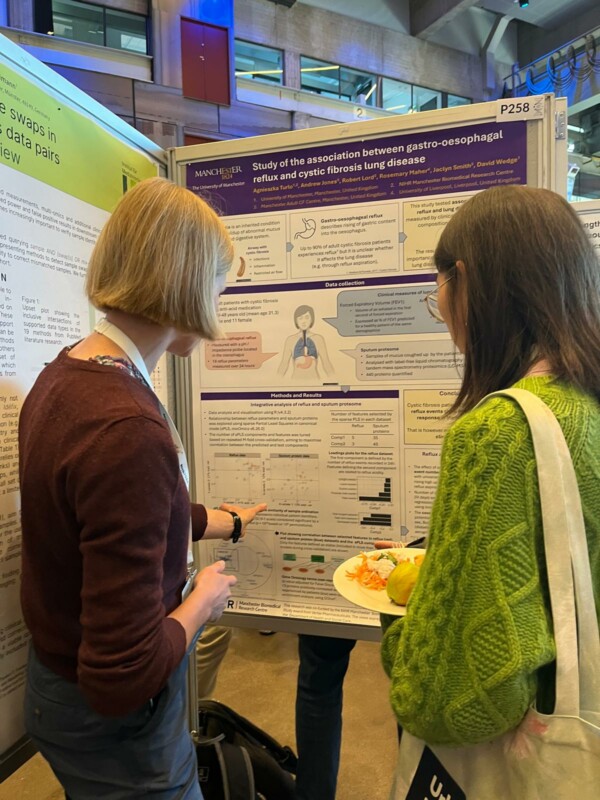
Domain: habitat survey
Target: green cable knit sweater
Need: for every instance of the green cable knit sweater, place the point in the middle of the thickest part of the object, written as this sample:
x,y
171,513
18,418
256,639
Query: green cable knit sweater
x,y
466,660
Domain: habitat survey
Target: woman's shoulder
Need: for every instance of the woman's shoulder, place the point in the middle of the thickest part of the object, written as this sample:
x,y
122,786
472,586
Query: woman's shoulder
x,y
98,388
493,415
500,418
563,398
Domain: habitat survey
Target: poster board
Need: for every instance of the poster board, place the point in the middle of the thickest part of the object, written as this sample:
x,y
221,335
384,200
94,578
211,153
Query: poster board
x,y
589,214
64,163
326,399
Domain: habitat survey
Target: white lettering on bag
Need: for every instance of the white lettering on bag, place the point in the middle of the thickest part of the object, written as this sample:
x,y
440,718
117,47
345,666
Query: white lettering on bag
x,y
435,788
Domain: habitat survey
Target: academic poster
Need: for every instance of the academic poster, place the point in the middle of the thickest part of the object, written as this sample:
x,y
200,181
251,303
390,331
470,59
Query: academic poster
x,y
61,173
327,398
589,214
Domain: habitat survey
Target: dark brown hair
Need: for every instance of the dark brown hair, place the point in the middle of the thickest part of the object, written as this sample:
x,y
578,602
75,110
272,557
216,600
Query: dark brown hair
x,y
532,290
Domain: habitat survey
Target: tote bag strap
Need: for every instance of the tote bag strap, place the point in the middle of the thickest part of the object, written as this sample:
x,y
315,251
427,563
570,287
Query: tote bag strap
x,y
567,560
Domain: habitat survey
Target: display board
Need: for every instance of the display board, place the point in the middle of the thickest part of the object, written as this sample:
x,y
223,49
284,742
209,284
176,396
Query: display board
x,y
589,213
327,397
64,163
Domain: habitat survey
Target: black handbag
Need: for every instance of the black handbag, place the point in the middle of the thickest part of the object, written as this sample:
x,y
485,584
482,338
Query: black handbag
x,y
237,760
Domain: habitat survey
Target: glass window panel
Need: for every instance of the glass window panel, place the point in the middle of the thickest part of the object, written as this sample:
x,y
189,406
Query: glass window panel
x,y
126,31
457,100
358,87
258,62
396,96
426,99
320,76
79,21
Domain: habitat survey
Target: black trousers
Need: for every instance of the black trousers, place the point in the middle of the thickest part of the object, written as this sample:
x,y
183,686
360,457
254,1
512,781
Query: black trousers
x,y
323,665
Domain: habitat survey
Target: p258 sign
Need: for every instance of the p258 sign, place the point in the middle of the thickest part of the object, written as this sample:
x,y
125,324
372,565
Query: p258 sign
x,y
518,108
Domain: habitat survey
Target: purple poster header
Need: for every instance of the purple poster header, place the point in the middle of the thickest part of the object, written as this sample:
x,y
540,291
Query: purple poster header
x,y
304,395
461,159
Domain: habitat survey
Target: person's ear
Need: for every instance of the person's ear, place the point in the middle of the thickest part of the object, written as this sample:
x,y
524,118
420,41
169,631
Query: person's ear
x,y
461,269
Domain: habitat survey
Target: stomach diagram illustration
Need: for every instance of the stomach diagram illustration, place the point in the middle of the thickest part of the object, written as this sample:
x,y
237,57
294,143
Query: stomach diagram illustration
x,y
310,228
305,352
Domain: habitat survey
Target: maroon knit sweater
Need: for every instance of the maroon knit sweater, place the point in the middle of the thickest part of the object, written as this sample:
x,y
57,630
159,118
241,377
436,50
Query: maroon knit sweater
x,y
105,516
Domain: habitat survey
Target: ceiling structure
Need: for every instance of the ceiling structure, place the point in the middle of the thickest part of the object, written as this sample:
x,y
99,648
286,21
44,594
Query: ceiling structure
x,y
547,14
500,28
523,34
392,14
425,17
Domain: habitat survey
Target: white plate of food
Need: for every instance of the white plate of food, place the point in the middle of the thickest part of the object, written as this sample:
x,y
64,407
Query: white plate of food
x,y
362,579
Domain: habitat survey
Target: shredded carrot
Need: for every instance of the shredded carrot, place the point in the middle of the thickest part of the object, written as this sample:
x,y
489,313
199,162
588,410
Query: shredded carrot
x,y
365,576
370,579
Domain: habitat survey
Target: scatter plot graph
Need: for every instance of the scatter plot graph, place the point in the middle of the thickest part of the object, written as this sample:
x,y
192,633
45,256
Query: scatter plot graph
x,y
236,477
292,478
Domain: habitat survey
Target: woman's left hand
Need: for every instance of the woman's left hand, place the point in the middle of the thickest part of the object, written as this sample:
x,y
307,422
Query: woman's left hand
x,y
245,513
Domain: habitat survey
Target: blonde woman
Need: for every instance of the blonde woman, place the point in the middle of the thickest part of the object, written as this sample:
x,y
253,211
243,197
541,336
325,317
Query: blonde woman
x,y
106,512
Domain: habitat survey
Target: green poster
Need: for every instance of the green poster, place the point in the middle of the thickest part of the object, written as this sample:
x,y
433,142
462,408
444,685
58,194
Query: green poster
x,y
47,140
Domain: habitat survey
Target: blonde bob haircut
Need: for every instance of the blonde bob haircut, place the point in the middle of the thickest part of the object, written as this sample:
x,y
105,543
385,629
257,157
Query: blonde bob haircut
x,y
159,256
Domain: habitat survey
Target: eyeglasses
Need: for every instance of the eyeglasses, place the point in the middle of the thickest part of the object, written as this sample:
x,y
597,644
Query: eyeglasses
x,y
431,301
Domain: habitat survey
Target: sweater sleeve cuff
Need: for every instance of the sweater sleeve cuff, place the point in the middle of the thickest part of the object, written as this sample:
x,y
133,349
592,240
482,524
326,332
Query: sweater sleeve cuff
x,y
176,634
199,521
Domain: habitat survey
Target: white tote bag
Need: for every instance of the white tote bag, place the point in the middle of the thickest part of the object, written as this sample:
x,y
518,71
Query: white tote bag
x,y
549,756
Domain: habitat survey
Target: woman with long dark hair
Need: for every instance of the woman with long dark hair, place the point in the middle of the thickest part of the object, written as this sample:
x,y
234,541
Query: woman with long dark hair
x,y
518,286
